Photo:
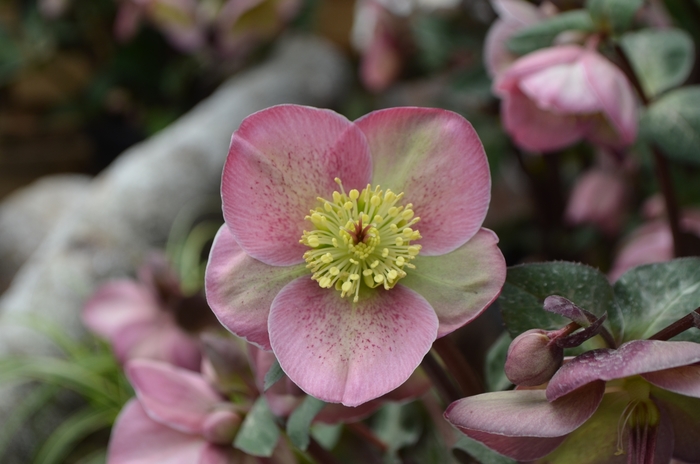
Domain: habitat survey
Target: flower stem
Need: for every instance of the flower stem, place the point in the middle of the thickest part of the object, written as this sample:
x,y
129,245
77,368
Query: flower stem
x,y
458,367
447,390
663,174
680,326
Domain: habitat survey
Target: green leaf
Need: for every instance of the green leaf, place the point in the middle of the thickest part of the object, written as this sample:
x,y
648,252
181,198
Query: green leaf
x,y
661,58
259,432
274,374
481,452
398,426
542,34
327,435
74,429
652,297
528,285
613,15
673,123
300,421
496,379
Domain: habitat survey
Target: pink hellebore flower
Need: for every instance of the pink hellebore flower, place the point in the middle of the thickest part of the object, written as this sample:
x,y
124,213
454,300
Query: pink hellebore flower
x,y
139,321
637,404
557,96
318,259
177,418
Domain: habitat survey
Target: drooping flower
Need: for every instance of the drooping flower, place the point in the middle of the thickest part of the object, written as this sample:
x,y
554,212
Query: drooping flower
x,y
638,403
555,97
177,418
323,259
138,318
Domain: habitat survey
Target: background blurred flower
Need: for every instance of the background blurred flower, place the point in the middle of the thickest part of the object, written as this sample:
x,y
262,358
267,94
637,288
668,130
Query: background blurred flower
x,y
558,96
599,197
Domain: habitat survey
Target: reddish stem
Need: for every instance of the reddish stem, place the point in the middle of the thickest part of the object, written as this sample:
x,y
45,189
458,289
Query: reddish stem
x,y
680,326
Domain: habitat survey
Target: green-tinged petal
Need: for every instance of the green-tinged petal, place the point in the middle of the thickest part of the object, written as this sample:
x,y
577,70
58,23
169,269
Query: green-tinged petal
x,y
436,158
684,414
461,284
240,289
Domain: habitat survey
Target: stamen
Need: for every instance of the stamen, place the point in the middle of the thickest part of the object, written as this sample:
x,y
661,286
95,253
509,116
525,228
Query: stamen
x,y
360,237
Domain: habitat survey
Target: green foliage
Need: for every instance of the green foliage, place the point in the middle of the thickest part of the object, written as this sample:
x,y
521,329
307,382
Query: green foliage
x,y
259,432
613,15
661,58
652,297
673,123
542,34
300,420
398,426
273,375
528,285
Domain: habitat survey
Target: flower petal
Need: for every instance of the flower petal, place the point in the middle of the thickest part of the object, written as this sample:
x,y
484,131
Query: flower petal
x,y
534,62
117,304
684,415
175,397
461,284
509,421
240,289
561,88
615,94
436,158
631,358
137,439
280,160
684,379
535,129
345,352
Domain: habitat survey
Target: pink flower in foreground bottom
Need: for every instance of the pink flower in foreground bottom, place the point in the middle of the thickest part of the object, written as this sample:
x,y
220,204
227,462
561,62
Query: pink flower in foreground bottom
x,y
323,259
555,97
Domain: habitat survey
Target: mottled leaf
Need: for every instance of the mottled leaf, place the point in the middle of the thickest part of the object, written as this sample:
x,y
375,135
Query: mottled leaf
x,y
543,33
259,432
300,420
613,15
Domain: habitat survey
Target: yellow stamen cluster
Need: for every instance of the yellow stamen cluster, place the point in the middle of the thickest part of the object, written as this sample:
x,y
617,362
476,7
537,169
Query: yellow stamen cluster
x,y
360,237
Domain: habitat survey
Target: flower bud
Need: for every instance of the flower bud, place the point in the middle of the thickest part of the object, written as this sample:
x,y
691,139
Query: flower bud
x,y
220,427
532,360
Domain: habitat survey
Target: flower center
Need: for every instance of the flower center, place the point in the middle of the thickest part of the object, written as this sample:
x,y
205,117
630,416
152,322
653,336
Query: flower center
x,y
360,237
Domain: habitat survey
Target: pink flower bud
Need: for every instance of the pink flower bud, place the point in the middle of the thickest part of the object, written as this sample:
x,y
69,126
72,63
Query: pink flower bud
x,y
220,427
532,359
599,198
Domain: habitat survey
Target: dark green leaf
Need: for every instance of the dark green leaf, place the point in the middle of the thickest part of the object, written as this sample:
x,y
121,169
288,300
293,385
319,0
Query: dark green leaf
x,y
397,426
74,429
300,421
673,123
542,34
613,15
661,58
259,432
496,379
652,297
528,285
481,452
327,435
274,374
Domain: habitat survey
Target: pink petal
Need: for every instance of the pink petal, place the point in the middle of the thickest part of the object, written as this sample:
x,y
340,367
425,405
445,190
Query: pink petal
x,y
615,94
651,243
535,62
281,159
381,61
137,439
175,397
497,57
160,339
599,197
523,424
461,284
535,129
631,358
128,20
561,88
118,304
684,379
436,158
516,11
345,352
240,289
